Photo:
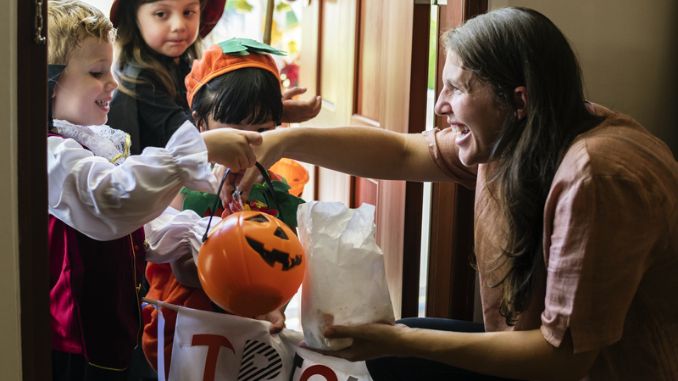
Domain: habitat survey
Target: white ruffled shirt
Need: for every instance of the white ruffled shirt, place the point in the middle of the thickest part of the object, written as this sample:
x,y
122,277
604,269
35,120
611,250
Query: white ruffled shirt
x,y
106,201
175,234
112,144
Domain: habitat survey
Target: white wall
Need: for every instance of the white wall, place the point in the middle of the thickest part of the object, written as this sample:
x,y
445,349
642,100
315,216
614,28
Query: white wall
x,y
10,350
628,52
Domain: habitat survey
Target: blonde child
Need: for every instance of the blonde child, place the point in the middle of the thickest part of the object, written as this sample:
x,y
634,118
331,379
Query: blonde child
x,y
157,42
100,197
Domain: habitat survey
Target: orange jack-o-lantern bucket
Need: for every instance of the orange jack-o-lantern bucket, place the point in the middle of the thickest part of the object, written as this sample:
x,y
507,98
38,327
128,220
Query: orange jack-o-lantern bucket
x,y
251,264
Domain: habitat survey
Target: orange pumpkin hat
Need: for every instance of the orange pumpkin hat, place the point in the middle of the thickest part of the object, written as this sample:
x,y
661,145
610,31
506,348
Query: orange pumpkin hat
x,y
227,56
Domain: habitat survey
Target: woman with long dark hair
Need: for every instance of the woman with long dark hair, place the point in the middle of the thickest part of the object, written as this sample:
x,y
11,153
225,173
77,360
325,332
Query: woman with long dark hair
x,y
576,217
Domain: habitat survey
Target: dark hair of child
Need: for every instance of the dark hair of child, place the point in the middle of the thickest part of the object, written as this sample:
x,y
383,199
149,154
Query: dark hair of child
x,y
244,96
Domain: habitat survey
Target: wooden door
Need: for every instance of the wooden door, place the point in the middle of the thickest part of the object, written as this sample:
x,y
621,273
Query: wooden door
x,y
450,278
32,194
327,66
365,58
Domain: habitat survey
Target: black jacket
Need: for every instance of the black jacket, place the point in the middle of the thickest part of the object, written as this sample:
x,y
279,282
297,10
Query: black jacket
x,y
152,116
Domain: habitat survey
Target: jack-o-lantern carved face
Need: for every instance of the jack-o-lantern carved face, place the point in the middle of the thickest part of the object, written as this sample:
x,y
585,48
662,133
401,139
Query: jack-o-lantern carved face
x,y
271,239
251,263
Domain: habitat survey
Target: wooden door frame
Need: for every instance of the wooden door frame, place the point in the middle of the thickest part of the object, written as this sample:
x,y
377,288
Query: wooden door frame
x,y
414,191
36,335
451,280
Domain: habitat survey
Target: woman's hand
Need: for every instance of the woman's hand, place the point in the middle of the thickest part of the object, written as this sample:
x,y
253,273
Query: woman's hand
x,y
295,111
277,319
231,148
369,340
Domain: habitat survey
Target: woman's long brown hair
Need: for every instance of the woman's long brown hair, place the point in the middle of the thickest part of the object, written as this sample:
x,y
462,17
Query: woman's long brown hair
x,y
513,47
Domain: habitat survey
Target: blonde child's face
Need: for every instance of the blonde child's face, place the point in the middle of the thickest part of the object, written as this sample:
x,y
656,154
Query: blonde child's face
x,y
84,91
169,27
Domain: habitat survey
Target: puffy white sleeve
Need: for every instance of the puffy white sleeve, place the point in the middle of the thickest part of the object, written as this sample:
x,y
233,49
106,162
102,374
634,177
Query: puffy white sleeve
x,y
175,234
105,201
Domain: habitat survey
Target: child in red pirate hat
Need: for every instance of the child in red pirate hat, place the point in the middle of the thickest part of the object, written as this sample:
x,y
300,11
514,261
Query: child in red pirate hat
x,y
211,11
235,83
157,40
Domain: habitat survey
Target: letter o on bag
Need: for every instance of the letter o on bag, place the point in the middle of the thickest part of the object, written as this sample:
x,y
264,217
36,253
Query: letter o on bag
x,y
320,370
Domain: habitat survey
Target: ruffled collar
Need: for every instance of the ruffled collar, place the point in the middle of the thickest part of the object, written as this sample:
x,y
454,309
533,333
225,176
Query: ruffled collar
x,y
104,141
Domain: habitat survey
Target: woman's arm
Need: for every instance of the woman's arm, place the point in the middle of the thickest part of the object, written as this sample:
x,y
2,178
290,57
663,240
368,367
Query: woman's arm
x,y
512,354
360,151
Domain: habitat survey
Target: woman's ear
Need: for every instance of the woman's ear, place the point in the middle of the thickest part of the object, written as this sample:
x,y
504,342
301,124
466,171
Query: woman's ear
x,y
200,123
520,102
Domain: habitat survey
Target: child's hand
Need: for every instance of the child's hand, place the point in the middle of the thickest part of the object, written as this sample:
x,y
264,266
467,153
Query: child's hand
x,y
268,152
226,194
277,319
295,111
231,147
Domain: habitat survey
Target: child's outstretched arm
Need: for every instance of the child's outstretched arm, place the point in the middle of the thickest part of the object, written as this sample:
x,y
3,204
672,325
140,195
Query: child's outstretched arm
x,y
105,201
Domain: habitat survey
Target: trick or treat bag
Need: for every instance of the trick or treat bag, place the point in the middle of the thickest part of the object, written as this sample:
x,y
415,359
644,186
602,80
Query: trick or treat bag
x,y
313,366
345,283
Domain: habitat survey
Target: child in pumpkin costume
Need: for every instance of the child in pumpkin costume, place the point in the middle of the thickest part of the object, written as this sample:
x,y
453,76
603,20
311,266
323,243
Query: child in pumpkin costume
x,y
236,83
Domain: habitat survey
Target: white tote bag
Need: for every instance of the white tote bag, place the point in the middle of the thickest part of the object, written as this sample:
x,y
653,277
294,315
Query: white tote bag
x,y
345,282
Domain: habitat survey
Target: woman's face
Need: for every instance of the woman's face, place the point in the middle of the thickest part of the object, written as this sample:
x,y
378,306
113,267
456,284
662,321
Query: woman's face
x,y
84,91
471,109
169,27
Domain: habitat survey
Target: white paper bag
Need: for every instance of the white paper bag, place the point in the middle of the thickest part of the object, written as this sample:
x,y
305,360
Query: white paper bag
x,y
345,282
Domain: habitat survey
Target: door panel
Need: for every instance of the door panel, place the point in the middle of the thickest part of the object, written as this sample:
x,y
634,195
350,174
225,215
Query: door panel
x,y
366,191
327,66
365,54
330,59
369,61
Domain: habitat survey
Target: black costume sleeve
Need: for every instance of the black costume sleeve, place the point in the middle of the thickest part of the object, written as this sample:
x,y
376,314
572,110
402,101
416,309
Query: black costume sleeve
x,y
152,115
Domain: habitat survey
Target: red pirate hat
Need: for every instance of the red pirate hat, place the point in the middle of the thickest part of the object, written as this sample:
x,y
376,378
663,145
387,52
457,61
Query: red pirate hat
x,y
209,17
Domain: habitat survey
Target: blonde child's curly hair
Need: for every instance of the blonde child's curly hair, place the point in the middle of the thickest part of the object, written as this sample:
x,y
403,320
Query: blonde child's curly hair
x,y
69,23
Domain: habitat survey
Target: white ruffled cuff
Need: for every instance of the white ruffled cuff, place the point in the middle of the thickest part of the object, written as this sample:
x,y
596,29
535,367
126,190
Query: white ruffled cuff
x,y
175,234
189,151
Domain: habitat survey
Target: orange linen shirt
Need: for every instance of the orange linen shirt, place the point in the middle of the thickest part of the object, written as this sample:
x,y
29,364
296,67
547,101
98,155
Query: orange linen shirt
x,y
610,259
